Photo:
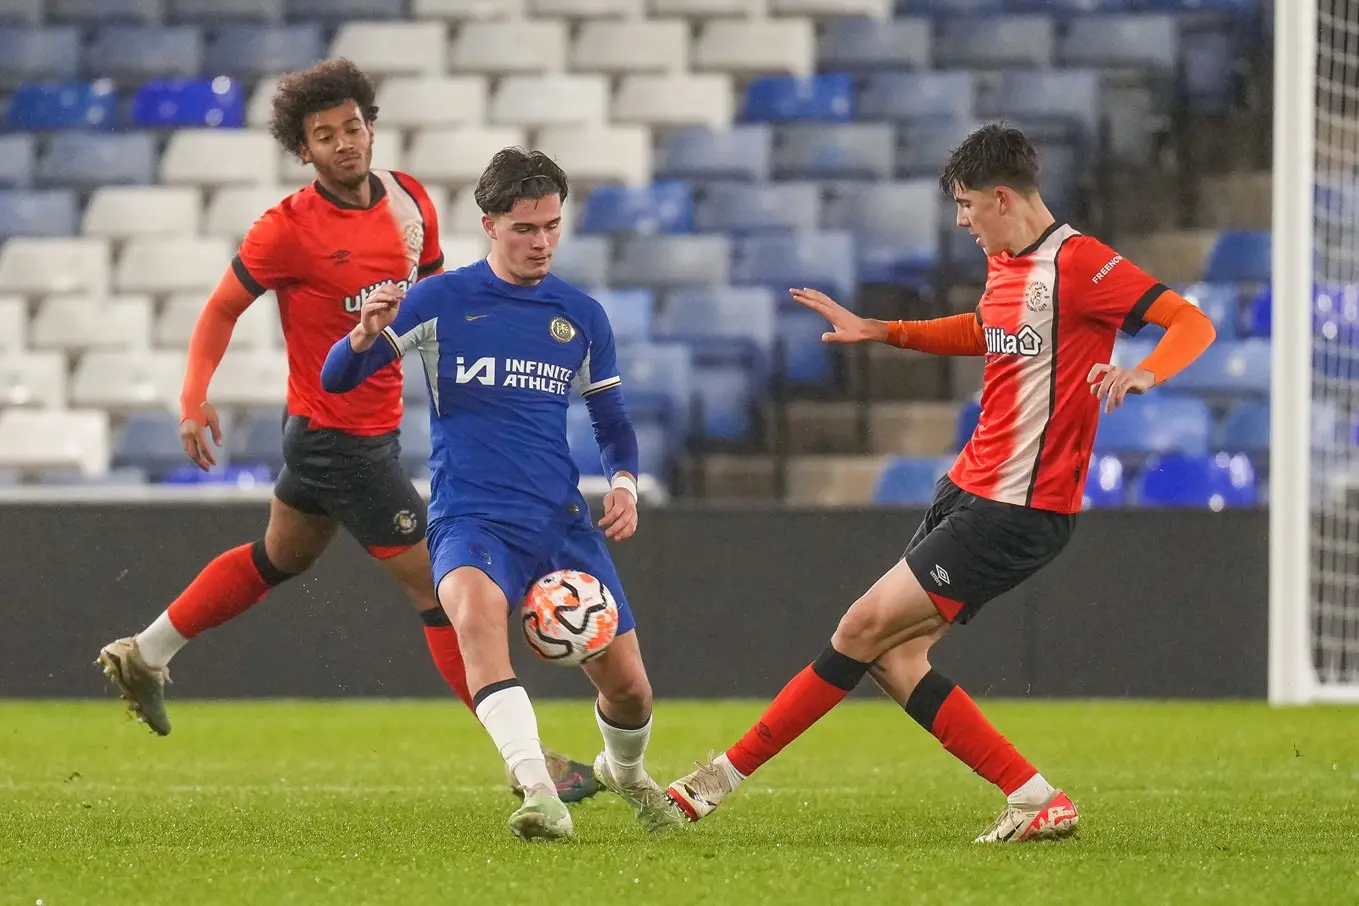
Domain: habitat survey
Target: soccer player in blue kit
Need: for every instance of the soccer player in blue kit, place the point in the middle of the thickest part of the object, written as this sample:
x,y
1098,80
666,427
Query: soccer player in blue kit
x,y
503,341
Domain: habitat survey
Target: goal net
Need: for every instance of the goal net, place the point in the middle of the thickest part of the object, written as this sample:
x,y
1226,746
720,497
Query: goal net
x,y
1314,471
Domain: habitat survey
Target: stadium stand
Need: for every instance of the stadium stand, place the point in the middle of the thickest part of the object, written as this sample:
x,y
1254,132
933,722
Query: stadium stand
x,y
721,151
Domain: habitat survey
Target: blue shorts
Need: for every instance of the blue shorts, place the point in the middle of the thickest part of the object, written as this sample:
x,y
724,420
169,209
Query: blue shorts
x,y
515,558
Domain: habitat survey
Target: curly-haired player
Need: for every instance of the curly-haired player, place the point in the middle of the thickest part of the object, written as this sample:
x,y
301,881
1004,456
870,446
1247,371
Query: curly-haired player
x,y
322,250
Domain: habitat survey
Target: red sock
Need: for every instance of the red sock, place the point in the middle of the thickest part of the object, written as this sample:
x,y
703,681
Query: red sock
x,y
805,700
443,647
226,588
953,717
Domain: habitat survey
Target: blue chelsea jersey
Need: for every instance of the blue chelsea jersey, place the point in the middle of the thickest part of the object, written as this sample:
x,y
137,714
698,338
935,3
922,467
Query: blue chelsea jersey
x,y
501,361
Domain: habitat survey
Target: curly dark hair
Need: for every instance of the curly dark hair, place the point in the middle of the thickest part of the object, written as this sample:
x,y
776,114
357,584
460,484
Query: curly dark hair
x,y
515,174
307,91
997,154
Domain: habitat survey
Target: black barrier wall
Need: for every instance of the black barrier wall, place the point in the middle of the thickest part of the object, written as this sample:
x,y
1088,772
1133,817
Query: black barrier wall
x,y
729,603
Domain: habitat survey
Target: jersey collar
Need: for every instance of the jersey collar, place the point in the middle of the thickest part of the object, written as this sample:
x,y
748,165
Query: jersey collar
x,y
374,184
1054,227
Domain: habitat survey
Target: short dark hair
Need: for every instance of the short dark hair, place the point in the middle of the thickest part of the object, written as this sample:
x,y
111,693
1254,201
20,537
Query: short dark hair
x,y
515,174
307,91
997,154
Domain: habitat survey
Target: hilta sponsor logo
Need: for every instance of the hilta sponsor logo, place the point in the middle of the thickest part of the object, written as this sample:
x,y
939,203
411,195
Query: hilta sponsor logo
x,y
1026,342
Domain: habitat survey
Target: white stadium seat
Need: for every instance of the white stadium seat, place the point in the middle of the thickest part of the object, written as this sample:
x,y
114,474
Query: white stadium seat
x,y
215,157
33,379
40,439
598,154
432,101
457,156
250,377
659,45
122,211
40,266
505,47
127,381
392,48
388,154
757,47
709,9
589,9
464,216
706,99
169,265
78,323
873,9
234,209
257,328
460,251
261,104
551,100
467,10
14,315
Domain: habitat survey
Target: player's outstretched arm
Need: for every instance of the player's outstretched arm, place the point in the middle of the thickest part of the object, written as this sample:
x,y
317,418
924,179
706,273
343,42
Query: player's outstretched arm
x,y
208,343
356,357
618,451
955,335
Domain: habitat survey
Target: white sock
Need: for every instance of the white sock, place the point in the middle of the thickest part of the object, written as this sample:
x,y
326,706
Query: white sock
x,y
1033,793
624,749
734,777
507,714
160,641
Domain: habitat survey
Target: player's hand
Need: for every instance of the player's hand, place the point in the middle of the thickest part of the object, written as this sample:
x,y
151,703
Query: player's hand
x,y
620,515
195,442
380,308
1112,384
849,327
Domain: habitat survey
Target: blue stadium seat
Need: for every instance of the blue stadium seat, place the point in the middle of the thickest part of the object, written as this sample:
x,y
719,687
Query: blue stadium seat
x,y
806,359
136,53
924,145
1156,423
662,207
82,159
1257,320
697,152
1062,98
995,42
339,11
654,449
260,51
63,105
757,208
1072,6
665,261
582,260
962,258
416,444
954,7
1219,301
1242,8
42,212
38,54
659,384
822,98
1239,368
850,151
225,11
891,246
1147,42
1210,79
913,97
821,260
630,312
1216,482
1245,429
1104,483
242,476
727,396
859,44
97,12
171,103
1239,256
18,155
910,481
968,416
150,442
258,440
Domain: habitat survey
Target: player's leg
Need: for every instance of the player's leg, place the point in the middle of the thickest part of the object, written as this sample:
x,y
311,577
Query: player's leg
x,y
225,588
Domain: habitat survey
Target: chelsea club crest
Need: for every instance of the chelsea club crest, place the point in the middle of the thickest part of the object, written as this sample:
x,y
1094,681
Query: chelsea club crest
x,y
563,331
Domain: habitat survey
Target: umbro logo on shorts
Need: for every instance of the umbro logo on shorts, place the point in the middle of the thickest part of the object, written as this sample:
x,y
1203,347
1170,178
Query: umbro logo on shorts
x,y
939,575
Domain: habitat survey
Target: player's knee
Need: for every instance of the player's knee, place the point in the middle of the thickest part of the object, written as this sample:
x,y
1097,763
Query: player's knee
x,y
862,629
631,696
287,558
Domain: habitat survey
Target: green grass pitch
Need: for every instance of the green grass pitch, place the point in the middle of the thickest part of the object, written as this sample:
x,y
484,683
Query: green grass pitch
x,y
404,803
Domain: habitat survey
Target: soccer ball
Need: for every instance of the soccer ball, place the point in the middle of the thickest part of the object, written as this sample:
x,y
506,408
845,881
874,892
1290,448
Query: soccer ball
x,y
570,618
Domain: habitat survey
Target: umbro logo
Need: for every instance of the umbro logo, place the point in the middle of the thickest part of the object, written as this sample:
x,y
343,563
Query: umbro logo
x,y
340,257
939,575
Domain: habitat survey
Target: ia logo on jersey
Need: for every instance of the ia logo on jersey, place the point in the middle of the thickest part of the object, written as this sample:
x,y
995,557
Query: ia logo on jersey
x,y
523,374
1026,342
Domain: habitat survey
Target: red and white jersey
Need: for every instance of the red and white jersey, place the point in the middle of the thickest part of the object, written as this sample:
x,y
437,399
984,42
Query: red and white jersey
x,y
1049,314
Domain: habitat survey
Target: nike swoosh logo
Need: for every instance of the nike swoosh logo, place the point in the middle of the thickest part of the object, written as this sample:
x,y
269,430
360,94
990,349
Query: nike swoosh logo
x,y
476,317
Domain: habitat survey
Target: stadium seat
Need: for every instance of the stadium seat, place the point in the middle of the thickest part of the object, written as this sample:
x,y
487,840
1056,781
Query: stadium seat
x,y
258,439
166,265
821,98
14,315
910,481
588,9
968,417
229,12
1245,429
134,53
742,152
1105,484
127,381
557,99
251,377
662,207
910,97
660,262
238,476
583,260
460,251
150,442
392,48
761,207
600,154
1239,256
38,55
234,209
1156,423
37,212
1067,98
707,9
423,101
256,51
821,260
416,443
889,248
258,327
756,47
1149,43
89,160
63,105
35,439
97,12
629,312
39,266
73,476
456,157
340,11
1231,369
496,48
880,10
1220,303
18,155
1216,482
78,323
655,45
178,103
653,444
850,151
659,381
996,42
683,99
119,212
922,146
959,7
211,157
33,379
21,12
864,44
458,11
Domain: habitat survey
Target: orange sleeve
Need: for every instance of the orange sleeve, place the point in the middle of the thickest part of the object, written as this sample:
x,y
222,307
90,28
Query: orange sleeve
x,y
209,341
267,254
955,335
1188,333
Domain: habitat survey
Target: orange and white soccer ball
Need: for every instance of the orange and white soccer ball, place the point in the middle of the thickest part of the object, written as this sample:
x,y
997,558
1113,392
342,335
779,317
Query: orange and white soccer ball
x,y
570,617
